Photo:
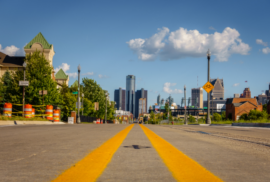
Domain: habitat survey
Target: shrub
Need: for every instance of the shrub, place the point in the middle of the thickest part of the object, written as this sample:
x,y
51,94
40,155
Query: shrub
x,y
191,119
254,115
216,117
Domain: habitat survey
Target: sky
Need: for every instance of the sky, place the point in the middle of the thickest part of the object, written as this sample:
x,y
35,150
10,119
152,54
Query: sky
x,y
162,43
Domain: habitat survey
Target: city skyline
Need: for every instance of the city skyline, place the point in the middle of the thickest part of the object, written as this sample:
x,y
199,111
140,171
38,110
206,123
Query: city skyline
x,y
140,48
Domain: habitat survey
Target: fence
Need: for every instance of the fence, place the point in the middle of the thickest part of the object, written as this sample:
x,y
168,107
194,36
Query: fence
x,y
90,119
191,111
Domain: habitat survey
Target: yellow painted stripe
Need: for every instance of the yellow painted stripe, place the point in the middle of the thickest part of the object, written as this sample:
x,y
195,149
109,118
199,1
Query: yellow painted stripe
x,y
92,166
182,167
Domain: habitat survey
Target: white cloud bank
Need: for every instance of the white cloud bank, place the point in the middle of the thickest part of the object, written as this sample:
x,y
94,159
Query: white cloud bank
x,y
266,50
12,50
236,84
260,41
65,67
189,43
88,73
167,89
102,76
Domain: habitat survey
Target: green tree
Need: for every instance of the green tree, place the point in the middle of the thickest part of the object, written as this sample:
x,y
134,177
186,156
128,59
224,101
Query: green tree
x,y
265,107
223,115
6,87
68,104
191,119
88,107
216,117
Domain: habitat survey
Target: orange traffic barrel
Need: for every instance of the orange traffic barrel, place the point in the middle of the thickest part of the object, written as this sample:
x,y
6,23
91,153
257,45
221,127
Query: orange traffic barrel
x,y
33,112
7,109
49,112
28,111
56,115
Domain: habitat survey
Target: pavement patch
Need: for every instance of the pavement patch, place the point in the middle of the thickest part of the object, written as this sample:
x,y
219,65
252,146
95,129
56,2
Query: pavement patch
x,y
181,166
92,166
137,147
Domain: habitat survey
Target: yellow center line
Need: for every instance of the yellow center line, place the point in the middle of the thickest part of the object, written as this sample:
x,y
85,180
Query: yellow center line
x,y
182,167
92,166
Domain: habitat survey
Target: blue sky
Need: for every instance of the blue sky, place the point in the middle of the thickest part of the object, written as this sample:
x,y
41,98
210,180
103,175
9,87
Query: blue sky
x,y
162,43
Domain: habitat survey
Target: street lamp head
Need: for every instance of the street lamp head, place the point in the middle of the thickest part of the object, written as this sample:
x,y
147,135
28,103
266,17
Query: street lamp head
x,y
185,87
24,64
208,53
79,68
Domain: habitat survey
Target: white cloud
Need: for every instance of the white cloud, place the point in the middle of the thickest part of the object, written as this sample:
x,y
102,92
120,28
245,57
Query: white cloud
x,y
266,50
189,43
260,41
167,89
65,67
72,75
236,84
212,28
102,76
89,73
12,50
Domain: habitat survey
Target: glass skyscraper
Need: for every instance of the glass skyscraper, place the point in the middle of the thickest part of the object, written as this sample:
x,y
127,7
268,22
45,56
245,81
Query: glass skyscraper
x,y
130,94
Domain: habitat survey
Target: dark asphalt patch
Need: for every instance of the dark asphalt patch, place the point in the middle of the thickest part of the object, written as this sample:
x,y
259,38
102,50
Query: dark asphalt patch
x,y
137,147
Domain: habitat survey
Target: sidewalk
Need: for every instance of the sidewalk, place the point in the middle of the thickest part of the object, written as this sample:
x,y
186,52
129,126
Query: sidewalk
x,y
2,122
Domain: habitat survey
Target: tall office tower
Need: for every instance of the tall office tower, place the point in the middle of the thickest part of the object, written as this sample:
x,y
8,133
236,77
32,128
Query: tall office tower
x,y
197,97
218,91
162,101
158,99
140,94
142,106
120,99
170,100
246,93
130,94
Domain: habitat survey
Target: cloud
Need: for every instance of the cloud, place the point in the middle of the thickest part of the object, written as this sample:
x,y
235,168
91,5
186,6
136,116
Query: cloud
x,y
167,89
12,50
89,73
266,50
212,28
188,43
72,75
236,84
102,76
260,41
64,66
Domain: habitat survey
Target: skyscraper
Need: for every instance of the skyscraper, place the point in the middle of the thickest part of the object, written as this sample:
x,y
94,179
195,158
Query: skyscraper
x,y
140,94
120,99
130,93
158,99
218,91
197,97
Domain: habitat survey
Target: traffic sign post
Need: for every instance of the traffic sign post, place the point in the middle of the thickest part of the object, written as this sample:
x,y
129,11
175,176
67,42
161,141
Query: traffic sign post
x,y
74,92
24,83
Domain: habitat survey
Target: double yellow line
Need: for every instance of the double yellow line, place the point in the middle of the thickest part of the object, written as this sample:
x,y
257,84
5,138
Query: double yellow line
x,y
181,166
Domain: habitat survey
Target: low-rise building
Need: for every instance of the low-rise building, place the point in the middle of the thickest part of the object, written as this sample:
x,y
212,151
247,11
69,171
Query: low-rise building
x,y
61,78
235,107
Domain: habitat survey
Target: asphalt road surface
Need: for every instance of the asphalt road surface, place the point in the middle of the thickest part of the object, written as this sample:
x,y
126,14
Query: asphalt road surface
x,y
43,152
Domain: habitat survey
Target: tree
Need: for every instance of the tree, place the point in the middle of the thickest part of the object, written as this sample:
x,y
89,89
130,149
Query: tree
x,y
6,86
191,119
69,102
88,107
216,117
265,107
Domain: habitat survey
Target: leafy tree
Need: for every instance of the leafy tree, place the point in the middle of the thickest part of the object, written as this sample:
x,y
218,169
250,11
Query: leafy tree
x,y
216,117
191,119
244,117
88,107
265,107
69,102
223,115
6,86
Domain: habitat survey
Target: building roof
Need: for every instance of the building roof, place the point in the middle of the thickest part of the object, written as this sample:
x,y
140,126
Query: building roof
x,y
40,39
11,61
242,100
213,81
61,75
75,84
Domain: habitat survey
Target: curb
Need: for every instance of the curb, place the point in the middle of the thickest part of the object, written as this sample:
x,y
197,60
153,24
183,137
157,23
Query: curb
x,y
252,124
28,122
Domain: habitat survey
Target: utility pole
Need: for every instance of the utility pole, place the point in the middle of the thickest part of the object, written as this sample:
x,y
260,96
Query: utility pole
x,y
79,119
24,67
106,95
185,105
208,94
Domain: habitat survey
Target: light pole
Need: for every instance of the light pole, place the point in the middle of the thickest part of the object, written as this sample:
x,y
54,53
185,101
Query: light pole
x,y
185,105
212,104
208,94
82,103
106,95
24,67
79,119
168,101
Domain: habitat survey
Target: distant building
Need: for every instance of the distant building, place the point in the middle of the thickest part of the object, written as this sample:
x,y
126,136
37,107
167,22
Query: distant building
x,y
140,94
120,99
158,99
142,106
262,99
267,93
197,97
215,104
236,96
130,93
170,100
246,93
235,107
61,78
218,91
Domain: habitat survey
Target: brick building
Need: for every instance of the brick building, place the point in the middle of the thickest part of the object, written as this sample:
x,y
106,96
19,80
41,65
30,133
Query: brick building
x,y
246,93
238,106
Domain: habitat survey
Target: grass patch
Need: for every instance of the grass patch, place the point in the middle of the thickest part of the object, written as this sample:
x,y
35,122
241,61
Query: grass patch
x,y
20,118
86,123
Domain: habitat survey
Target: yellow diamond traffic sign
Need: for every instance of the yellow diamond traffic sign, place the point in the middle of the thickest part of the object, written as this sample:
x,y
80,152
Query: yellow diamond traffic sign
x,y
208,87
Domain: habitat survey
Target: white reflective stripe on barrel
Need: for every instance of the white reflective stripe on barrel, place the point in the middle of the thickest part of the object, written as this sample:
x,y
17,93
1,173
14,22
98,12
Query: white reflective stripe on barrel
x,y
56,114
25,109
49,110
7,109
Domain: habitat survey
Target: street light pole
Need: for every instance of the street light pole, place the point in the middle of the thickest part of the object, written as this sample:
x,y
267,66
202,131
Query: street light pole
x,y
82,103
106,94
185,105
208,94
24,67
79,119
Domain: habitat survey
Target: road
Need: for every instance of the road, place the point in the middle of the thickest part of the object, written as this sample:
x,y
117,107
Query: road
x,y
134,153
